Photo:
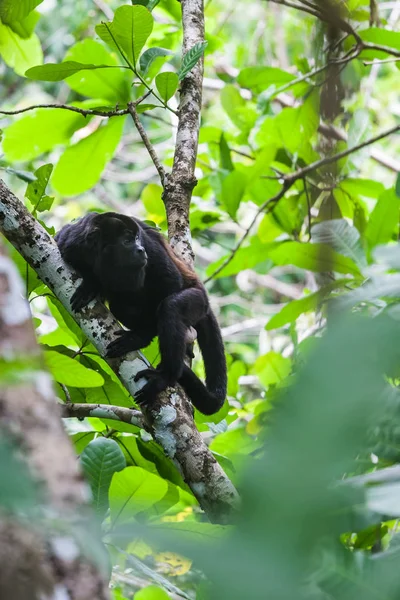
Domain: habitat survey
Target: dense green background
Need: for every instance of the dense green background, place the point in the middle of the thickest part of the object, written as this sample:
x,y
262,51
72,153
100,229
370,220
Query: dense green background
x,y
305,415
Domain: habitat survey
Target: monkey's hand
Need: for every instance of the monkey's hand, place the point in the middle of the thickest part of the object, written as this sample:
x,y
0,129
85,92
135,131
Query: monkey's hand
x,y
127,341
156,383
83,294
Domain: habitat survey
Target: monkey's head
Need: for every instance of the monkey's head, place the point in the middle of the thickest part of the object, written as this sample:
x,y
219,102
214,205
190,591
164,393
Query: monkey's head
x,y
118,250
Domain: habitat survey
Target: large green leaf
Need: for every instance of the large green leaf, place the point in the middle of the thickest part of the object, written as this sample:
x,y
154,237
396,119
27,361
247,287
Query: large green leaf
x,y
60,71
233,187
100,459
68,371
107,84
260,78
18,53
81,165
10,10
383,37
151,592
383,223
38,132
128,31
132,491
291,311
272,368
342,237
167,84
314,257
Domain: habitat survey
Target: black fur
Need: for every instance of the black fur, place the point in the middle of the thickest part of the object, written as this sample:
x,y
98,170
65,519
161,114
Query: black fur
x,y
151,292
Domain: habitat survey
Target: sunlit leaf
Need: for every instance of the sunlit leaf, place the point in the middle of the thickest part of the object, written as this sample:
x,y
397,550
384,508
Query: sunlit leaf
x,y
81,165
128,31
167,84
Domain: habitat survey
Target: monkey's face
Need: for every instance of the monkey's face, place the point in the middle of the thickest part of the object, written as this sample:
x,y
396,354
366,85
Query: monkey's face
x,y
118,249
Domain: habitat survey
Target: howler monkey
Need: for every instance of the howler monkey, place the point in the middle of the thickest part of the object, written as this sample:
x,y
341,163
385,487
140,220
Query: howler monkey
x,y
151,292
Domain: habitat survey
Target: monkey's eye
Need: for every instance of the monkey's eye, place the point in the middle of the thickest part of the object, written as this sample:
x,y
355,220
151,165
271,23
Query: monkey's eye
x,y
127,241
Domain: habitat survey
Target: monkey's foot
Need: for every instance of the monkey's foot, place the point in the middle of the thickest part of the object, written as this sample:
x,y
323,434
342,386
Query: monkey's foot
x,y
156,384
126,342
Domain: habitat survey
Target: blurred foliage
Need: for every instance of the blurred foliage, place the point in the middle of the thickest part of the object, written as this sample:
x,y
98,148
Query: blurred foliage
x,y
309,304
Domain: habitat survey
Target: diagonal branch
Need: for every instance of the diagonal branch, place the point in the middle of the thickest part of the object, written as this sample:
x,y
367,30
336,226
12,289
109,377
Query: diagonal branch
x,y
288,181
170,419
146,141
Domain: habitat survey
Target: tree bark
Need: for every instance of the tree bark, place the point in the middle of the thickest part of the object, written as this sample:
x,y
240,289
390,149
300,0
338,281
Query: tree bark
x,y
40,556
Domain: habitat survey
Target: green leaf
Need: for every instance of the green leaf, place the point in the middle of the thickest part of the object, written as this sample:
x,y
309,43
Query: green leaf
x,y
132,491
191,531
260,78
233,187
383,223
191,57
81,165
167,84
151,592
272,368
100,459
24,28
233,104
314,257
152,201
291,311
362,187
18,53
342,237
225,154
128,32
10,10
383,37
39,131
58,72
35,192
397,187
109,84
68,371
149,56
65,320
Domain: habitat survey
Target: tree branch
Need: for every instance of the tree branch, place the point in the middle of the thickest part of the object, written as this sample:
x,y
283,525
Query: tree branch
x,y
82,111
169,419
104,411
41,555
146,141
288,181
180,183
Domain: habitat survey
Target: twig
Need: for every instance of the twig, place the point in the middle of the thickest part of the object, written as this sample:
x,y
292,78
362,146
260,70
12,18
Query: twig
x,y
145,138
82,111
104,411
300,173
314,13
267,205
288,181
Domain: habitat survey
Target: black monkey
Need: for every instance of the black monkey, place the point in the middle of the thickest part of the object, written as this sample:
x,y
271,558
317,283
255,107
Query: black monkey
x,y
152,292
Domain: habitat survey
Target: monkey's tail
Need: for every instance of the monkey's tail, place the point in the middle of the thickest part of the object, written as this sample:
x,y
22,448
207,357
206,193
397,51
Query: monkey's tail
x,y
208,398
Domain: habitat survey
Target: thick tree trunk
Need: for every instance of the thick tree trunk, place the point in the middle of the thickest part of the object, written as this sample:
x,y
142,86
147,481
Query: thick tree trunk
x,y
40,557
